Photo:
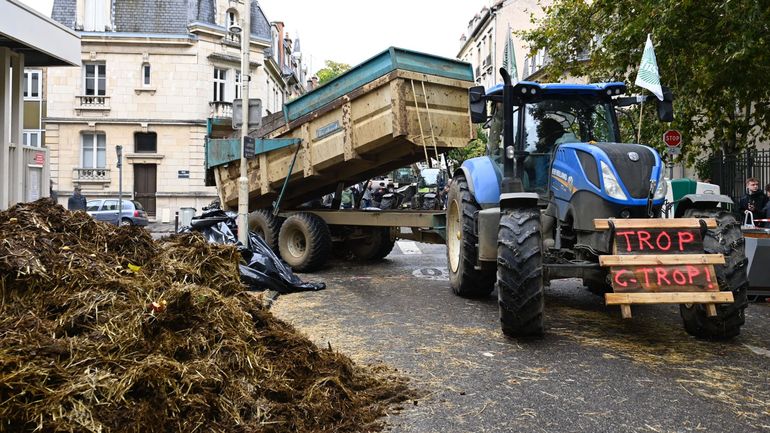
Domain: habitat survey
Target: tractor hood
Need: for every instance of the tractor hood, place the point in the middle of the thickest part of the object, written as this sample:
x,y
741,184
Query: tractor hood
x,y
635,165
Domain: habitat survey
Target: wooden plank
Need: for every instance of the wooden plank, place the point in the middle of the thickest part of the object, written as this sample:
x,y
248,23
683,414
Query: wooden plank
x,y
711,310
664,278
662,259
648,223
668,298
625,311
656,240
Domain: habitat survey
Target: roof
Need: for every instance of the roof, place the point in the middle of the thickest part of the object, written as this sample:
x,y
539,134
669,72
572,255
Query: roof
x,y
598,89
43,41
162,16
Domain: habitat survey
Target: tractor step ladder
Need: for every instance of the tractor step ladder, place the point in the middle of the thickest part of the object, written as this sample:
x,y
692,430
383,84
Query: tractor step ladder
x,y
661,261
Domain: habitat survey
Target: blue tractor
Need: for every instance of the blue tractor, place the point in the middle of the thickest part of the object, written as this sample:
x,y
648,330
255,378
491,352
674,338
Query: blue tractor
x,y
526,213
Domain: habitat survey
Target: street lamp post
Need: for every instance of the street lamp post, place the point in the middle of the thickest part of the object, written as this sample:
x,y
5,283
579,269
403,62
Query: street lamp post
x,y
119,152
243,181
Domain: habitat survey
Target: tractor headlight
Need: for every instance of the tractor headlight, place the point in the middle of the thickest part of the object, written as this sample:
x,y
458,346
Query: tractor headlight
x,y
662,188
611,184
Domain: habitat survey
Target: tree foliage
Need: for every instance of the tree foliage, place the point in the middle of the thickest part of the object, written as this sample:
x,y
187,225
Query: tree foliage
x,y
713,54
476,147
332,70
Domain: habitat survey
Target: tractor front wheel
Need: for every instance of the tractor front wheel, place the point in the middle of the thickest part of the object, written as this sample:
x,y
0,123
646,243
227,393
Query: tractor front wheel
x,y
462,249
520,272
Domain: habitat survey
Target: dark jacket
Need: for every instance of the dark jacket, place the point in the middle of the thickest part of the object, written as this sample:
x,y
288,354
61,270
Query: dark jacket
x,y
76,202
758,199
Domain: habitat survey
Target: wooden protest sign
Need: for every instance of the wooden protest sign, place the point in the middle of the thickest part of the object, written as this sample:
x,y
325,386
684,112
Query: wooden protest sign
x,y
660,261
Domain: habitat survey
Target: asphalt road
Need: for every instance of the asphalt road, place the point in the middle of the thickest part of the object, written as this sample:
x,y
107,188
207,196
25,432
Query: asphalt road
x,y
593,371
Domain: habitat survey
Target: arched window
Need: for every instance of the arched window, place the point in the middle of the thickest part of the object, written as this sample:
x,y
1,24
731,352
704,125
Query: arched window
x,y
231,18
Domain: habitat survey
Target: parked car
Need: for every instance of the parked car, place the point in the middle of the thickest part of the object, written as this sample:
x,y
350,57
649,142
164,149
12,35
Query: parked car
x,y
106,210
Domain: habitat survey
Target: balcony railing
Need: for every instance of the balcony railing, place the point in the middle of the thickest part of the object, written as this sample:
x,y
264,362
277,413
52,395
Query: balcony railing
x,y
91,175
91,102
221,109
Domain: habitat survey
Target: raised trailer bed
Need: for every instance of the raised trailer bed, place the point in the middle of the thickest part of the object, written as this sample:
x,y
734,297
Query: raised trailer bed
x,y
397,108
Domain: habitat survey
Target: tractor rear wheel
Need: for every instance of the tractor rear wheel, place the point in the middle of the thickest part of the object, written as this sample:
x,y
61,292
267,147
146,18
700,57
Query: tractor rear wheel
x,y
725,239
520,272
304,241
265,225
462,249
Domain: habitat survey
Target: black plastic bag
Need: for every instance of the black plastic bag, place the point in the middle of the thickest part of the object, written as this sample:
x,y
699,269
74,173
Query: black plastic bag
x,y
263,269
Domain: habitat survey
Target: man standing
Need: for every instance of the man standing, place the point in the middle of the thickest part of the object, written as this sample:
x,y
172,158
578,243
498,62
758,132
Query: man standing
x,y
76,201
754,200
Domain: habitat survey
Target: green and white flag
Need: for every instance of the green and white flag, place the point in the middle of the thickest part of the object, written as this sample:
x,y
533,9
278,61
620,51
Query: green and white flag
x,y
648,76
509,58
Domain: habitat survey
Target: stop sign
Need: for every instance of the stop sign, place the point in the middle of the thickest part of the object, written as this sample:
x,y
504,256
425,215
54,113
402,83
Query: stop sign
x,y
672,138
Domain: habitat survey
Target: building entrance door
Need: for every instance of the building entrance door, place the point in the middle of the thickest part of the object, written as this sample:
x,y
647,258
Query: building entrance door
x,y
145,186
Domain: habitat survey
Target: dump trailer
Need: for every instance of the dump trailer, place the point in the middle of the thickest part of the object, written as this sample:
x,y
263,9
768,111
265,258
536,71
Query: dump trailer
x,y
395,109
560,196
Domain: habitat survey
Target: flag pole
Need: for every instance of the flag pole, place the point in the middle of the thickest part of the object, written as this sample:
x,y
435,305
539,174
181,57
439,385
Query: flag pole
x,y
639,129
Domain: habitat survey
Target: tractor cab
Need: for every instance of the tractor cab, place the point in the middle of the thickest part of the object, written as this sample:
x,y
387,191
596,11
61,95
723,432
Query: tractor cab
x,y
545,116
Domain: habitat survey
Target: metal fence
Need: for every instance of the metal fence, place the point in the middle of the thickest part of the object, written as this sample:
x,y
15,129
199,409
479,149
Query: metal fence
x,y
730,172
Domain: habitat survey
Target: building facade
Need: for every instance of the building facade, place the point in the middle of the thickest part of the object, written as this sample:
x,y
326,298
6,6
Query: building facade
x,y
29,42
158,78
484,41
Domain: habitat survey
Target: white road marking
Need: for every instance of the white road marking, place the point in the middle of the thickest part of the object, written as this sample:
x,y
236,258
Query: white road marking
x,y
758,350
409,247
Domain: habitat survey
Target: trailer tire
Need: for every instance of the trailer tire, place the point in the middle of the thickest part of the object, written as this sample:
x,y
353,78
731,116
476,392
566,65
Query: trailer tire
x,y
304,241
520,272
265,225
466,281
377,244
725,239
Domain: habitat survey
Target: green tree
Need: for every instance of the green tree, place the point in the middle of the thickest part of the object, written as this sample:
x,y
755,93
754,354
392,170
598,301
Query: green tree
x,y
713,54
331,71
476,147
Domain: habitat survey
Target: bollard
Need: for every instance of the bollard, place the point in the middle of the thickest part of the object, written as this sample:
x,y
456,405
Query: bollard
x,y
176,222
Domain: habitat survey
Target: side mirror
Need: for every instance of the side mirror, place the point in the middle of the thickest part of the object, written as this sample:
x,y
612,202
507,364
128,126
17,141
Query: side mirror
x,y
666,106
478,104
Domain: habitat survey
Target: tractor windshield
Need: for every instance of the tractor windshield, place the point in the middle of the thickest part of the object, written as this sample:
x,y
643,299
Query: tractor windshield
x,y
550,122
573,119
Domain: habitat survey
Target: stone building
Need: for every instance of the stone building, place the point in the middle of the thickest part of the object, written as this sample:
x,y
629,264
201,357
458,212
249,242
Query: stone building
x,y
158,77
29,42
484,41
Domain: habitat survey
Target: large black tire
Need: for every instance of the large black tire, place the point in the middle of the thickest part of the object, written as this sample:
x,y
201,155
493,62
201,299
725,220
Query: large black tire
x,y
376,245
726,239
263,223
304,241
598,287
520,272
462,244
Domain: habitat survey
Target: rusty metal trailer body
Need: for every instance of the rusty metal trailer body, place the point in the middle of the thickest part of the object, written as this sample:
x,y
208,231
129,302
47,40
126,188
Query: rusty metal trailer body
x,y
395,109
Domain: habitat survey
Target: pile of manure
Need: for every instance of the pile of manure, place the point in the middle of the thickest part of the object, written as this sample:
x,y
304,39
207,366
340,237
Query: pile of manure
x,y
103,329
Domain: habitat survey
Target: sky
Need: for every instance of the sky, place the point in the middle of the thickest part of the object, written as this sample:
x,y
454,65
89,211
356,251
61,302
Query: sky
x,y
351,31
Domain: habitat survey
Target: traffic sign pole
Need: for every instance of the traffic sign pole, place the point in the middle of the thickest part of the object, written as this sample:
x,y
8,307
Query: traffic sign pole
x,y
673,140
